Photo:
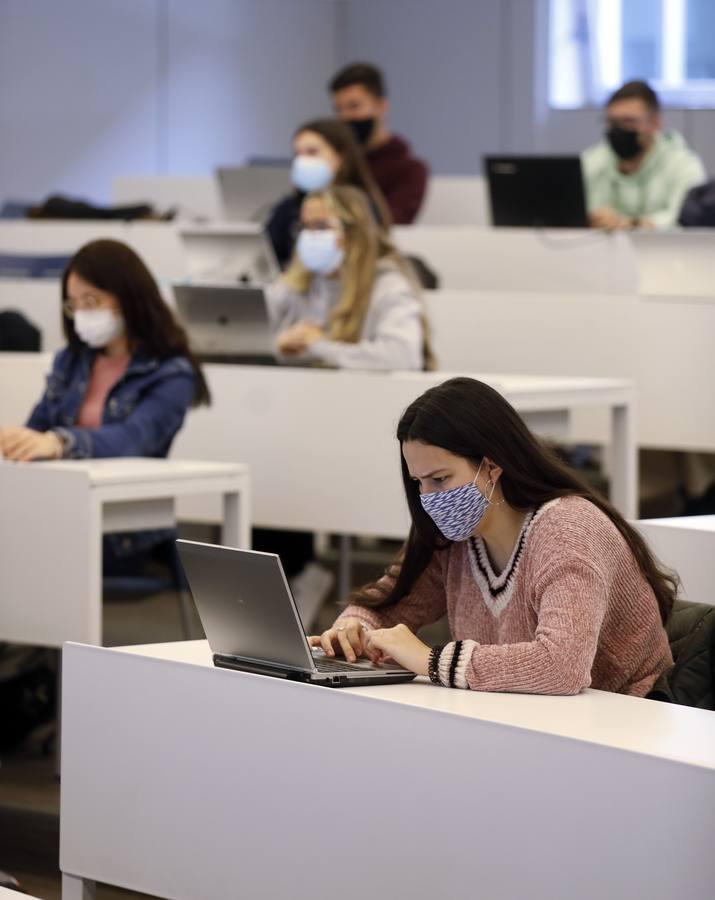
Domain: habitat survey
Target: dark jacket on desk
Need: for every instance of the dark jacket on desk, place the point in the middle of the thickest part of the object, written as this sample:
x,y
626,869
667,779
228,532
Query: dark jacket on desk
x,y
142,414
401,177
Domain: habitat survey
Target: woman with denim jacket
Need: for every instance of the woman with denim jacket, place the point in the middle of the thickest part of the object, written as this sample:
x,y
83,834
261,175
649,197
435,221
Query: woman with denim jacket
x,y
127,377
124,382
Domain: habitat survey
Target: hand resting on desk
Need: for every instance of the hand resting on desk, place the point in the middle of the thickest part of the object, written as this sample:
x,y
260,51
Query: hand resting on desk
x,y
298,338
25,444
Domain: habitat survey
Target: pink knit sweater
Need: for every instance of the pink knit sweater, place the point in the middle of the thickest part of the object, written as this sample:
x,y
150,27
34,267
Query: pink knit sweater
x,y
570,610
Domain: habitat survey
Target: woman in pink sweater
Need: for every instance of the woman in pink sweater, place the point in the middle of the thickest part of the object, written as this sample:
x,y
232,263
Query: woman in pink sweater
x,y
546,587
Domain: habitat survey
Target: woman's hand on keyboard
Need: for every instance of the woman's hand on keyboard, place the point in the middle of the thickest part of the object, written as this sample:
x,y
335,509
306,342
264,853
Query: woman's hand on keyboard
x,y
345,638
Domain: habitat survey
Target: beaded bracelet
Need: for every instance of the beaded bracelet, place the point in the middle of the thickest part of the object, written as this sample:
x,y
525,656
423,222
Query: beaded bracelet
x,y
433,665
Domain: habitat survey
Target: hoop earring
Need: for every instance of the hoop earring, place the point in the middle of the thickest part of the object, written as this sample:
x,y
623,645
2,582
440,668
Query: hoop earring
x,y
491,494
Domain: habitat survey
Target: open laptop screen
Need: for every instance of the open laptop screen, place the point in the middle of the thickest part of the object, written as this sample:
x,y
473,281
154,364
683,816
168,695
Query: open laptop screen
x,y
536,191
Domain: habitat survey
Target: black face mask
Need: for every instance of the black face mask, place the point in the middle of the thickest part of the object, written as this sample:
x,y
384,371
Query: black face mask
x,y
624,142
362,129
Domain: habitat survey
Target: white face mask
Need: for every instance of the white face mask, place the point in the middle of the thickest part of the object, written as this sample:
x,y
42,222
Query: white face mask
x,y
98,327
319,251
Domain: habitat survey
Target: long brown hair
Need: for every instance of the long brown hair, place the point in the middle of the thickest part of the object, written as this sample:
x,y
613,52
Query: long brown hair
x,y
353,168
151,326
472,420
368,247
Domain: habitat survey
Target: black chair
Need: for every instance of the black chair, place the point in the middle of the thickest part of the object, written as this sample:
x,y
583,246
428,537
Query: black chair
x,y
18,334
691,681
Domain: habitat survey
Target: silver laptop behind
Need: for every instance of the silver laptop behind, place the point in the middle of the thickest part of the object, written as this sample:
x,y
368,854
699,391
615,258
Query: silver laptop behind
x,y
226,323
241,253
252,623
249,193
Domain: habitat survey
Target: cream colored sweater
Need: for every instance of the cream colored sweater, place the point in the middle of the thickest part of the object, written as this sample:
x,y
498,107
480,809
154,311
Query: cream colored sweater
x,y
570,610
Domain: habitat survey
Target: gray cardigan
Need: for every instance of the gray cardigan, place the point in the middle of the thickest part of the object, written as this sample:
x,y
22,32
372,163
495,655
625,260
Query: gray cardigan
x,y
392,333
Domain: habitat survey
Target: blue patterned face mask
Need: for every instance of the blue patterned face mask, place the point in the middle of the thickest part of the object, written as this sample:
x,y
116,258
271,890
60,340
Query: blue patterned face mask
x,y
457,512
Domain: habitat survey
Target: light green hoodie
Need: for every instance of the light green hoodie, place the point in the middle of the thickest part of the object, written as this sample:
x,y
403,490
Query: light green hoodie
x,y
655,191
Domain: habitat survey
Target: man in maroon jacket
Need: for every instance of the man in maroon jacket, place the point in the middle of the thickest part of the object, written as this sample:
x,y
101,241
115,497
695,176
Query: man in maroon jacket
x,y
360,99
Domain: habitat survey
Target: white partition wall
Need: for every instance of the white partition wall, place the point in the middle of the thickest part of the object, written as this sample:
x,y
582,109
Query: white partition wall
x,y
156,242
523,259
686,545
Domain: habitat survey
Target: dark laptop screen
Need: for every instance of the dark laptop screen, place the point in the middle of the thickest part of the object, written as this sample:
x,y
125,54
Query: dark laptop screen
x,y
536,191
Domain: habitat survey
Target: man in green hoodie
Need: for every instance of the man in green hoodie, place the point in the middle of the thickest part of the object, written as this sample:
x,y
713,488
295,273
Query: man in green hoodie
x,y
638,175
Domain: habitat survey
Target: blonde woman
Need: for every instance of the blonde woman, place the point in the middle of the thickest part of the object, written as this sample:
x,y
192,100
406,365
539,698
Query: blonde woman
x,y
348,299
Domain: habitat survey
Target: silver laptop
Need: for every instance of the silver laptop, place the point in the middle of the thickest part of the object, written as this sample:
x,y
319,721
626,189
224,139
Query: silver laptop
x,y
249,193
219,253
226,323
252,622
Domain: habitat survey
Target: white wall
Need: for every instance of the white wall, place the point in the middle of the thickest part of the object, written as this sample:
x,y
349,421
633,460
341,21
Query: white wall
x,y
95,89
441,60
469,76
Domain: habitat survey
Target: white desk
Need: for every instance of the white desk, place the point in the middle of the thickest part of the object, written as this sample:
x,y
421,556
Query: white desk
x,y
677,263
664,344
53,516
195,783
686,544
523,259
321,444
156,242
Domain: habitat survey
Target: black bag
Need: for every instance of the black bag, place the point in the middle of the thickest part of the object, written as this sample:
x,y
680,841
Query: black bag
x,y
27,692
699,207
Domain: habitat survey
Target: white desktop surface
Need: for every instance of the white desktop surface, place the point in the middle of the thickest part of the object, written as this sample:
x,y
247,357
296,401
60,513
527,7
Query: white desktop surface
x,y
626,723
120,470
685,523
196,783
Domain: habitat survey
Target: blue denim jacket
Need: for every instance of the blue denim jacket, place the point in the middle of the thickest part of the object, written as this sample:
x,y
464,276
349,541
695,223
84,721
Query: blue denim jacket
x,y
142,414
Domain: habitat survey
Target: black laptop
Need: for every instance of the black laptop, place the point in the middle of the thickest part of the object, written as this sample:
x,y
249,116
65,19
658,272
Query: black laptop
x,y
536,191
253,625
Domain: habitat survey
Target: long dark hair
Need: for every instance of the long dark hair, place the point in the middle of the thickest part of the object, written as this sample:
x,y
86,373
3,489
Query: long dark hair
x,y
472,420
353,168
151,326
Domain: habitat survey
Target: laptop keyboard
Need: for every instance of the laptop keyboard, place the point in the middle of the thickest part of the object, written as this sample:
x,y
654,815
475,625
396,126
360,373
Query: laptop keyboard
x,y
323,664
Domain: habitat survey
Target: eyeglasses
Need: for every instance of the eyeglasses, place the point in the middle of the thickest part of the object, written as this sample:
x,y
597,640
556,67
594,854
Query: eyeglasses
x,y
70,307
320,225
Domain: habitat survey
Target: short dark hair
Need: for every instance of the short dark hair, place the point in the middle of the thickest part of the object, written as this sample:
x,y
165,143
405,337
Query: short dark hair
x,y
637,90
369,76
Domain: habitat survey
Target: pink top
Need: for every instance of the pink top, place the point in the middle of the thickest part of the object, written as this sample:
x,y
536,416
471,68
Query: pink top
x,y
570,610
106,372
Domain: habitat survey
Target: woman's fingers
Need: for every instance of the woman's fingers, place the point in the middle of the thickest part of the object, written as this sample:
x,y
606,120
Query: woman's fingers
x,y
23,449
326,641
